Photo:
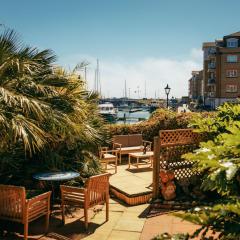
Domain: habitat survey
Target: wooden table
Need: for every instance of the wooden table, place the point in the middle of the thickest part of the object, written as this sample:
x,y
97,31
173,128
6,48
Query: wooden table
x,y
139,156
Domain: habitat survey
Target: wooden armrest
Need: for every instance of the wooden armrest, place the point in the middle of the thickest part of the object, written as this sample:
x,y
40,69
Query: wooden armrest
x,y
110,151
147,141
117,144
103,149
39,198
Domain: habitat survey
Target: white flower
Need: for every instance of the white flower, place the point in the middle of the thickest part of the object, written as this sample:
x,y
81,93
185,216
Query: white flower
x,y
197,209
211,156
203,150
231,169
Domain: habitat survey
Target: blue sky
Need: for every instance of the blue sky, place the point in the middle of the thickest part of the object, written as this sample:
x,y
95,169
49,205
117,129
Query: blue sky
x,y
136,40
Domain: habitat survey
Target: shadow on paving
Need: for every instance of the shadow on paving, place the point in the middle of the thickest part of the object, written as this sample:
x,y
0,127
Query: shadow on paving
x,y
73,228
139,170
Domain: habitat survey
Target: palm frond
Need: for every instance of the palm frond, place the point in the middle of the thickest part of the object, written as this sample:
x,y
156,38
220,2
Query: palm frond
x,y
33,137
27,105
80,66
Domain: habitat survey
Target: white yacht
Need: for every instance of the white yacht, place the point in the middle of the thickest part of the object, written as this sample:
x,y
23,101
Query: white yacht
x,y
108,111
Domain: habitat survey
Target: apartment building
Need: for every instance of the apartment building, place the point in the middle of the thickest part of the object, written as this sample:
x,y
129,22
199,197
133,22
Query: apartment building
x,y
221,70
196,86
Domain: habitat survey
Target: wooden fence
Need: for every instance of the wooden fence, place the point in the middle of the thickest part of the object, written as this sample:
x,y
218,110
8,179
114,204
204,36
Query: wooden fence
x,y
169,146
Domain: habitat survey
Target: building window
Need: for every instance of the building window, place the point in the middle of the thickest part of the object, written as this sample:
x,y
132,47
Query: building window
x,y
231,73
232,43
231,88
232,58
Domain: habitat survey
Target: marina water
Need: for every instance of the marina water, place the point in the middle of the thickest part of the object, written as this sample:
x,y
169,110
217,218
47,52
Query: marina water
x,y
132,117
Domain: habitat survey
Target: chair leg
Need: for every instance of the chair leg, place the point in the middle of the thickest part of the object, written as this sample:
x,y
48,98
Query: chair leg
x,y
26,231
116,165
86,218
47,222
107,209
63,214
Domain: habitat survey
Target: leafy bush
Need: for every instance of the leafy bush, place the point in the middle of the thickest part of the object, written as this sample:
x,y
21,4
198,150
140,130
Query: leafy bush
x,y
167,236
218,160
161,119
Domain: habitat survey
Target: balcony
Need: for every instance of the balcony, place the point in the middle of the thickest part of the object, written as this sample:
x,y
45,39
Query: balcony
x,y
211,81
212,51
211,94
212,65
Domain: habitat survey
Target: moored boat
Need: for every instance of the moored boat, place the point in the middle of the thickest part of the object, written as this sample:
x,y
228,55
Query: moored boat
x,y
108,111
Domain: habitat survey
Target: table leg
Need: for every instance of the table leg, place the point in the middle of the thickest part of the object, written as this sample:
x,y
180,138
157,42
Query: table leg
x,y
129,161
137,161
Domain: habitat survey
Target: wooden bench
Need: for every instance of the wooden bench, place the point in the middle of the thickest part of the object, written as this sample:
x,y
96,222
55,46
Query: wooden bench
x,y
15,207
129,144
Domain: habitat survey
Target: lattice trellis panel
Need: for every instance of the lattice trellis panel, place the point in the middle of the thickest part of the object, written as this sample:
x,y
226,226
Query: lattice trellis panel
x,y
173,144
178,137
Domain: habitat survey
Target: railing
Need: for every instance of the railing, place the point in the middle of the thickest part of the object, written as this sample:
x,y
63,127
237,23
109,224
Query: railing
x,y
212,65
211,94
211,81
212,51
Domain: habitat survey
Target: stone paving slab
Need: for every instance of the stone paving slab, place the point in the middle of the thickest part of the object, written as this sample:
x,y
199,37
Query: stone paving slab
x,y
122,235
133,181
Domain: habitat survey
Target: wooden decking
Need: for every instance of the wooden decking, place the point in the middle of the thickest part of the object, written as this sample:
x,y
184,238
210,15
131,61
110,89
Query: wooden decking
x,y
132,185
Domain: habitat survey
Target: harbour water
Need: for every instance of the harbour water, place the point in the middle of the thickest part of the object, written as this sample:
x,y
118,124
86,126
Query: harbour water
x,y
132,117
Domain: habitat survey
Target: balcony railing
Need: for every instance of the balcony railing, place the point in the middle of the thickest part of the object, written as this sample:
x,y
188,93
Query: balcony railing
x,y
211,81
212,51
212,65
211,94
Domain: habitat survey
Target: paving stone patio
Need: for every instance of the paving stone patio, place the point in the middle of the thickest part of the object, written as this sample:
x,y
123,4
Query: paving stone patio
x,y
125,222
133,180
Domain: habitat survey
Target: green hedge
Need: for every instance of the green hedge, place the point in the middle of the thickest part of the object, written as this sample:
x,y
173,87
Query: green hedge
x,y
160,120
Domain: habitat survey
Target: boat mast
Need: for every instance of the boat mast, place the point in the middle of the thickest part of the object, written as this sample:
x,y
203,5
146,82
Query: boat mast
x,y
145,89
97,83
125,89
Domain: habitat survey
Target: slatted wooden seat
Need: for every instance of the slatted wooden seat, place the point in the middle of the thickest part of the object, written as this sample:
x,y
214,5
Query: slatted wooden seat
x,y
96,192
15,207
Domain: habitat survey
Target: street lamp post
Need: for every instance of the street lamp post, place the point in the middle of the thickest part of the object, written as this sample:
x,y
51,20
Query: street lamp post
x,y
167,91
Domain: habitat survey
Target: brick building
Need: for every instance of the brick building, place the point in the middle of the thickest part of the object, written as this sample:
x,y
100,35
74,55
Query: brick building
x,y
221,70
195,86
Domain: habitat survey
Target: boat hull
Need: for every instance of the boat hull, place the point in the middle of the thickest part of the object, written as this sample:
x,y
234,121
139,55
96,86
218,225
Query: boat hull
x,y
111,118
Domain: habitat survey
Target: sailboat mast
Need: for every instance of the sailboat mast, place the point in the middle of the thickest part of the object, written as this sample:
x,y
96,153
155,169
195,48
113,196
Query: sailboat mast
x,y
145,89
125,89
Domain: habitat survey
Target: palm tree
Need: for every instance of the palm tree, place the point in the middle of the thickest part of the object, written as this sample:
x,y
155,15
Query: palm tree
x,y
42,107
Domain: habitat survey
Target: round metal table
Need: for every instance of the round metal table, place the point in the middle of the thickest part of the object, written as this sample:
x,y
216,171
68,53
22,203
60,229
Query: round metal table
x,y
55,176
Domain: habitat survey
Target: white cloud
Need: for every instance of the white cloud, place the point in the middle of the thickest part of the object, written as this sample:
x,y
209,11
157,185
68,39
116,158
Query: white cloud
x,y
157,72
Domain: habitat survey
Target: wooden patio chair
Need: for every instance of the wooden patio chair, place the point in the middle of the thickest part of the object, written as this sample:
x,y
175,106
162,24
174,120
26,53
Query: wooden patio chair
x,y
108,157
15,207
96,192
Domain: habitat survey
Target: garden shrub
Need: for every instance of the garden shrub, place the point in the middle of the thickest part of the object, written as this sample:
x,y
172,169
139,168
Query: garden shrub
x,y
161,119
218,162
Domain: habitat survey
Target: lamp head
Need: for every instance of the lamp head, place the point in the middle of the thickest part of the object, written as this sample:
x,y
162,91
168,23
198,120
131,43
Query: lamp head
x,y
167,89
